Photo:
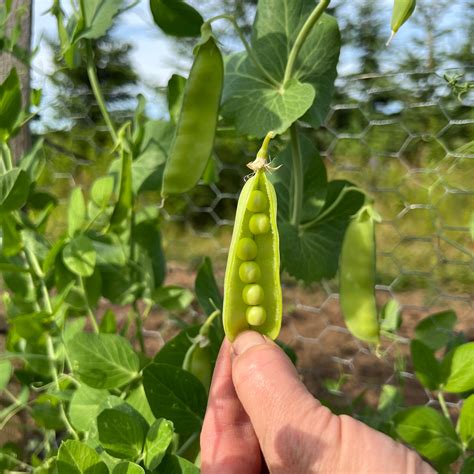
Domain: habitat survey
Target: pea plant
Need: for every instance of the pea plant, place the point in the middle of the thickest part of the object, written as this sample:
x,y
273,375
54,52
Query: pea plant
x,y
97,401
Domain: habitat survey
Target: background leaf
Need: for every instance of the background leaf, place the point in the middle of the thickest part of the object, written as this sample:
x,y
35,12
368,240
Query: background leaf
x,y
102,360
97,18
75,457
173,464
84,406
176,395
206,289
79,256
427,368
10,104
76,213
466,422
429,432
158,438
436,330
176,18
14,189
5,373
457,369
127,468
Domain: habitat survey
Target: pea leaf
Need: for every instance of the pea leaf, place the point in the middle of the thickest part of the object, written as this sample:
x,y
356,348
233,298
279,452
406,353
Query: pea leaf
x,y
427,368
96,18
173,298
173,464
311,253
176,395
176,18
390,316
102,190
436,330
457,369
84,406
127,467
10,104
137,399
259,101
468,466
158,438
122,431
174,351
315,183
206,289
102,360
79,256
14,189
5,373
466,422
76,213
75,457
429,432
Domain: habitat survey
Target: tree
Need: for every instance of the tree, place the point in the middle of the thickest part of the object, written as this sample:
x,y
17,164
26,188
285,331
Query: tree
x,y
15,43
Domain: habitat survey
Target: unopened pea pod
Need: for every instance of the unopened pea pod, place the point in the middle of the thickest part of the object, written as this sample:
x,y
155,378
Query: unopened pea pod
x,y
357,277
401,12
194,138
252,290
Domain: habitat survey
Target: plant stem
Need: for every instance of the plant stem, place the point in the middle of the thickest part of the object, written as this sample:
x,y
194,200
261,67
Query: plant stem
x,y
297,181
247,47
442,403
90,313
301,38
7,156
139,327
36,269
94,81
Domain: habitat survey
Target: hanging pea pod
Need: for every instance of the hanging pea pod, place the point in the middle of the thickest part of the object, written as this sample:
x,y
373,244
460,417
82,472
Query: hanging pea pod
x,y
402,11
197,360
357,276
194,137
252,291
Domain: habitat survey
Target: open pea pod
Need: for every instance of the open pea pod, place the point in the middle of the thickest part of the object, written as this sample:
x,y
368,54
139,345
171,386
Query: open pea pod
x,y
252,290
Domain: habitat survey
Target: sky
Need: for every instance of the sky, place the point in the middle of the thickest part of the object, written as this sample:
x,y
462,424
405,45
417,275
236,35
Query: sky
x,y
153,56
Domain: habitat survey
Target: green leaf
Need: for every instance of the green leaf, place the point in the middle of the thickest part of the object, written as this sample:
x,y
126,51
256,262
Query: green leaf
x,y
427,368
75,457
176,395
10,104
137,399
102,360
46,412
108,323
6,371
79,256
429,432
102,190
468,466
122,431
32,325
158,439
84,406
76,213
466,422
436,330
257,103
176,18
312,253
173,298
457,369
14,189
315,185
127,467
173,464
12,242
390,316
174,351
125,195
175,93
97,18
206,289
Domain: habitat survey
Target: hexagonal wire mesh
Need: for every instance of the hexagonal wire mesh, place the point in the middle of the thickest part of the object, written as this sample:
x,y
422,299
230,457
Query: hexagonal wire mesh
x,y
401,137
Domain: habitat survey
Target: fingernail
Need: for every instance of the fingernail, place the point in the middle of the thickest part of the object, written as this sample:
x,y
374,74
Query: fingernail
x,y
247,340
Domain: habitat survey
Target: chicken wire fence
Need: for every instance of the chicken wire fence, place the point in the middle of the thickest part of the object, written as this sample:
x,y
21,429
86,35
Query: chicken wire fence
x,y
406,139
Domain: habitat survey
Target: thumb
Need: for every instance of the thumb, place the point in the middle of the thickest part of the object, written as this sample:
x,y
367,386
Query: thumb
x,y
285,416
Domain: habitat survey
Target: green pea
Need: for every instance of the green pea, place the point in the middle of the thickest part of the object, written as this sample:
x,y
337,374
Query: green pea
x,y
259,224
246,249
357,277
258,202
252,290
256,315
249,272
194,137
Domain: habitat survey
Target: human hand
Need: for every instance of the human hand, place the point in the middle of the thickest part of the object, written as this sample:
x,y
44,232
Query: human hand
x,y
259,407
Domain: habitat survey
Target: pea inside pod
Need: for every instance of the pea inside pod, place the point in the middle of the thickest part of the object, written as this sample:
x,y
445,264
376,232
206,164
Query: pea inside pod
x,y
252,290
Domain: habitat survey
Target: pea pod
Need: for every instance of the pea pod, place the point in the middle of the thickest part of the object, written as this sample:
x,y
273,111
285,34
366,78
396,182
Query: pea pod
x,y
401,12
252,291
194,138
357,277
